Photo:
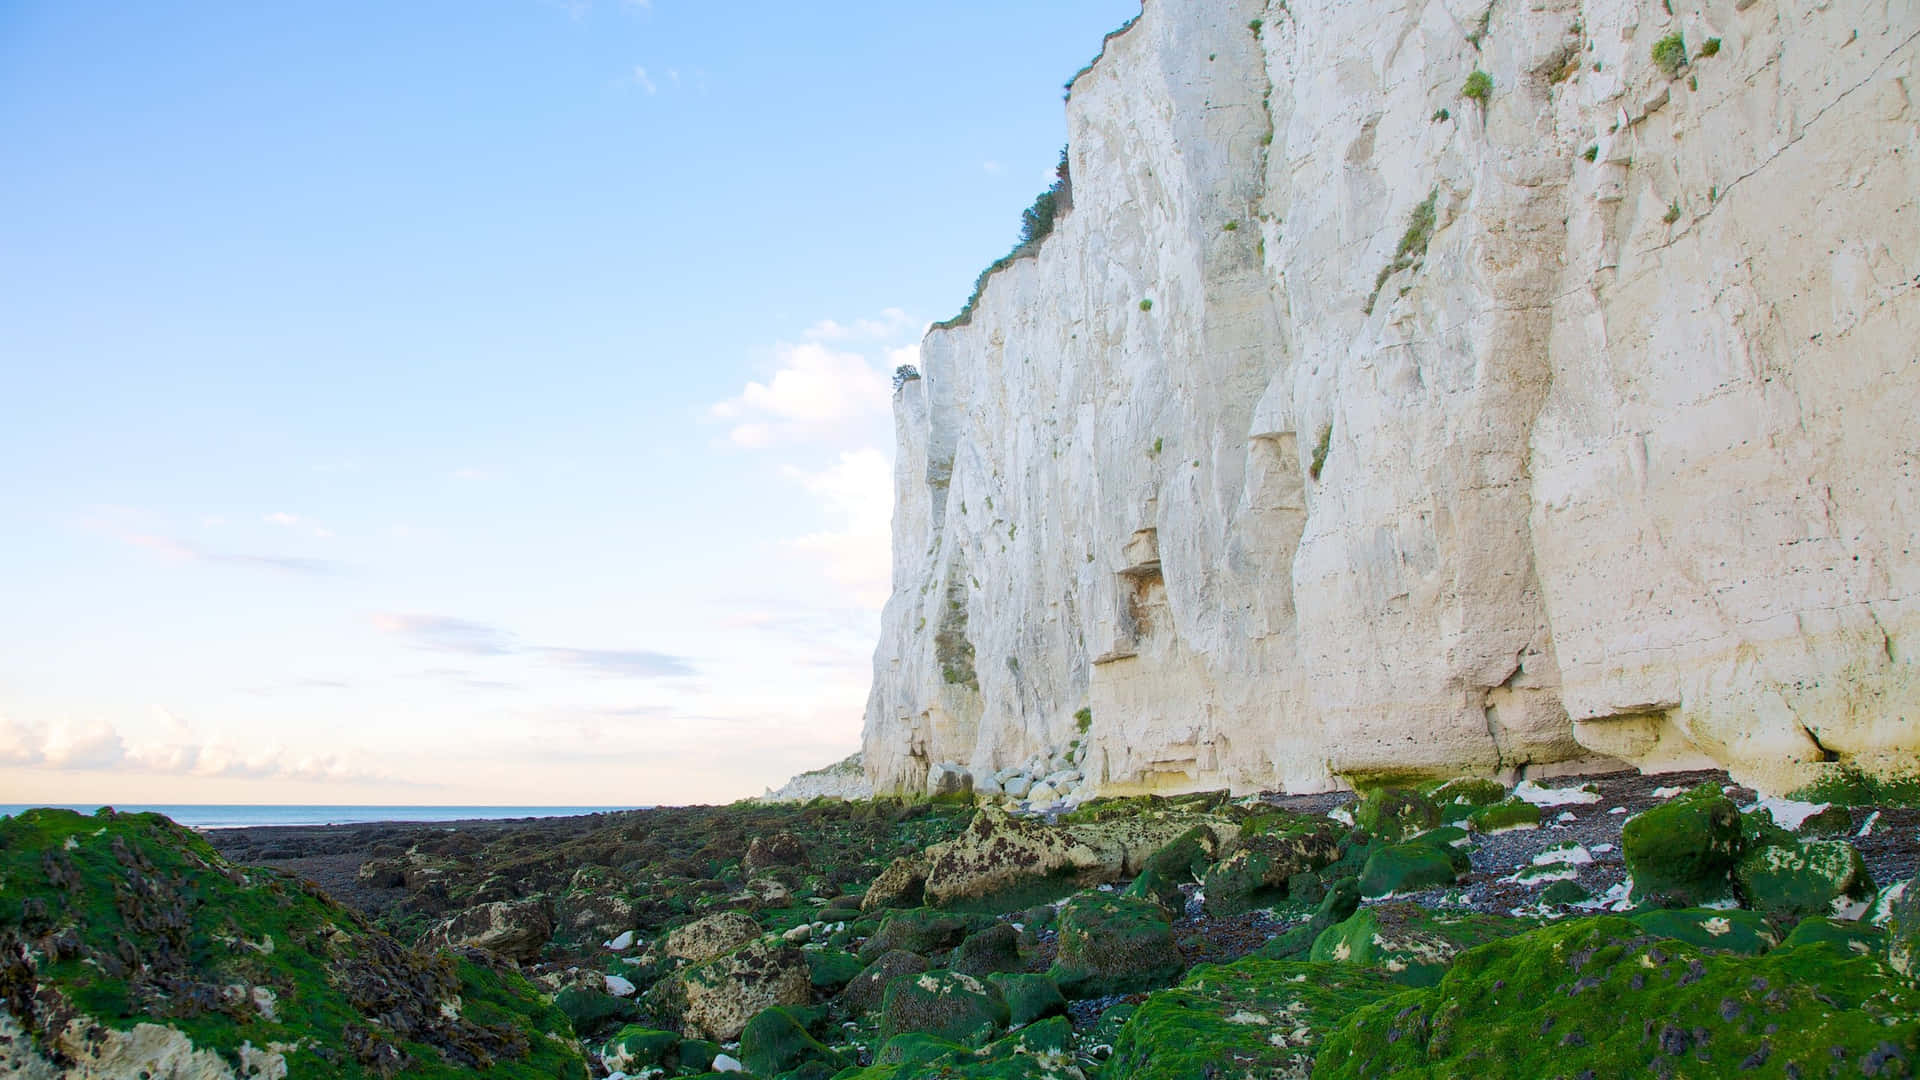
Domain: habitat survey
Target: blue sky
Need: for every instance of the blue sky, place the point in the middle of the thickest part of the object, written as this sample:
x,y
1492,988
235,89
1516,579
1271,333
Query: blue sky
x,y
477,402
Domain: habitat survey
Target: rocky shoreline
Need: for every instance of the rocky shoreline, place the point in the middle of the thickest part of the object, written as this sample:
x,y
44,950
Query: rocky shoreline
x,y
1201,936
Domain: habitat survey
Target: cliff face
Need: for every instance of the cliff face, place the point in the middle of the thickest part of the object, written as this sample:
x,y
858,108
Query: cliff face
x,y
1347,425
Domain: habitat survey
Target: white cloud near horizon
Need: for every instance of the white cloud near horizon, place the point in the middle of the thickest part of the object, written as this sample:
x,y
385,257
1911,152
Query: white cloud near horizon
x,y
176,750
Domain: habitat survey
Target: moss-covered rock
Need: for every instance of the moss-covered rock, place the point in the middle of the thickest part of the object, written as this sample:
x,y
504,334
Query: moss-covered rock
x,y
1808,877
1157,890
638,1048
777,1041
1259,872
1028,997
1253,1017
1862,938
1412,945
1395,813
1473,791
864,992
1505,816
591,1010
1725,929
1186,857
830,970
921,930
715,1000
1682,853
1564,893
1600,997
1405,868
945,1004
996,948
128,944
1113,945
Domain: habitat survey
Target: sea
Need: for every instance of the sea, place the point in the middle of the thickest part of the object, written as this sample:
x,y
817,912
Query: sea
x,y
242,817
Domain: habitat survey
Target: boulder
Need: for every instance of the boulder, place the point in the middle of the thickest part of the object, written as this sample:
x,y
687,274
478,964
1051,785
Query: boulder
x,y
637,1049
1682,853
704,939
997,948
715,999
1114,945
902,884
1395,814
1258,873
1403,868
777,1041
514,929
1002,861
587,915
946,780
1028,997
830,970
773,849
921,930
943,1004
1506,815
1809,877
864,991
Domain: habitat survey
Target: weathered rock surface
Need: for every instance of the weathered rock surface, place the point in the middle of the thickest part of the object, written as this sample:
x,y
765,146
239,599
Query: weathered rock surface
x,y
704,939
1348,425
716,999
515,930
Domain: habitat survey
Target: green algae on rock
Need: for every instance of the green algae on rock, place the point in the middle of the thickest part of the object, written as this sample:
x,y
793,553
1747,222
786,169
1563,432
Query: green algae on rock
x,y
1601,997
1395,813
946,1004
778,1040
1505,816
1808,877
1114,945
1259,873
1408,868
1253,1017
1683,852
1410,943
126,937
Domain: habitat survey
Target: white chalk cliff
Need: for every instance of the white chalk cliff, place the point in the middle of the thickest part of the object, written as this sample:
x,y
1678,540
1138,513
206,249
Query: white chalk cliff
x,y
1615,462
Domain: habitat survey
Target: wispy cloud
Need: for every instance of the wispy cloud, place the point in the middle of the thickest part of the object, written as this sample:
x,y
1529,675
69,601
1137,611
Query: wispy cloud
x,y
187,552
448,634
628,663
641,80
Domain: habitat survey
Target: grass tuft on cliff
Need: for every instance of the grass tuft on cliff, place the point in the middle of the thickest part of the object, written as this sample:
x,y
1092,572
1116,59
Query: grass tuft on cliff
x,y
1036,224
